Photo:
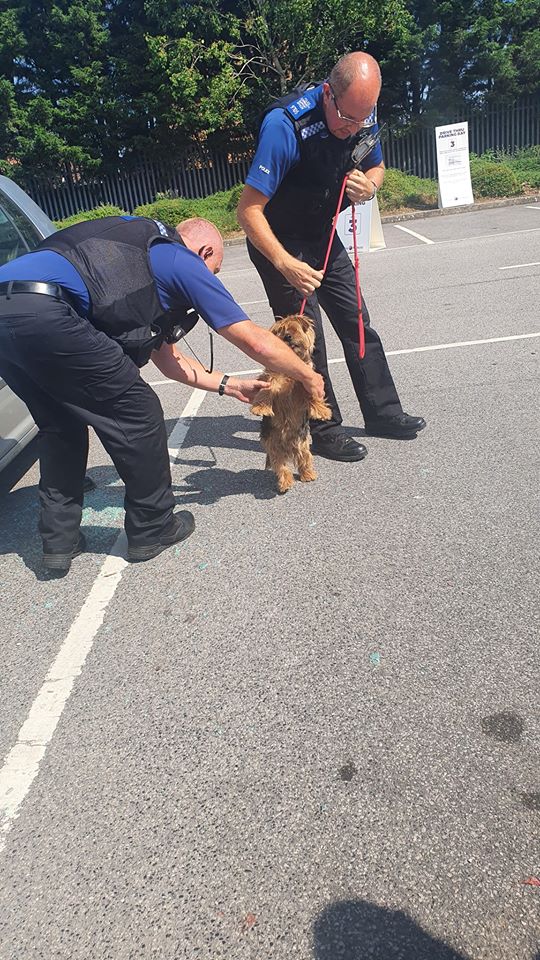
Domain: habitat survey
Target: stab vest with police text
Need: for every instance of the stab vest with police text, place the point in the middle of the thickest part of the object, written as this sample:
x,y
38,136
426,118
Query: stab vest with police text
x,y
111,257
305,202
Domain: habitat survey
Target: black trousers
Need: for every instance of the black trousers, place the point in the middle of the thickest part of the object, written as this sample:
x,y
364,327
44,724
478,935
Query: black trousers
x,y
72,376
371,377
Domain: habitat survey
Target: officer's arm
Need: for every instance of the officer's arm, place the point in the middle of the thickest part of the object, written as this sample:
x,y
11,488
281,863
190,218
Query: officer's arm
x,y
175,366
252,219
267,349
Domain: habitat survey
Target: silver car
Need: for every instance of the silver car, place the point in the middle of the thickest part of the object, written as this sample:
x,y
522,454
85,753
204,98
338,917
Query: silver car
x,y
22,225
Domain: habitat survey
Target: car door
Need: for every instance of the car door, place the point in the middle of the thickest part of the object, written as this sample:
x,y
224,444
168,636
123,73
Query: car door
x,y
22,225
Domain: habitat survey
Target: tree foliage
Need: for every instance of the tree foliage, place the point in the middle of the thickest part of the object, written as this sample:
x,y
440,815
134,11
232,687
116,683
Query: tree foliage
x,y
98,81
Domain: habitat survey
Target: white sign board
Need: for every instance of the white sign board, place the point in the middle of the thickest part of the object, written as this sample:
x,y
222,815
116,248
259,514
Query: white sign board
x,y
453,165
369,235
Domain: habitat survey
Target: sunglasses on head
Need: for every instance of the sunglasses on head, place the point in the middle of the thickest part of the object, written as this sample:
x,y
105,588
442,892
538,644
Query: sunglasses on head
x,y
369,121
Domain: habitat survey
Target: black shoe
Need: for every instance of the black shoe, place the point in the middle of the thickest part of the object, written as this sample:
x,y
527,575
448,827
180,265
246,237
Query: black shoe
x,y
62,561
337,446
88,485
401,426
182,526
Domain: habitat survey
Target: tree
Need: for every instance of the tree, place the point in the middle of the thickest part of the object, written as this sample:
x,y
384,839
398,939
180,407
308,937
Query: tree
x,y
469,53
93,82
53,56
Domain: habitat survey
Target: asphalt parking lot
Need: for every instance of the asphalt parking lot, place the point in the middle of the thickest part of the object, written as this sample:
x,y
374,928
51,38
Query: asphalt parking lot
x,y
313,730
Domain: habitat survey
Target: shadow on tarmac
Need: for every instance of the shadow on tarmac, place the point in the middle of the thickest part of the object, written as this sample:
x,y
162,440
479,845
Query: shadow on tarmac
x,y
210,485
19,515
204,486
103,512
221,432
359,930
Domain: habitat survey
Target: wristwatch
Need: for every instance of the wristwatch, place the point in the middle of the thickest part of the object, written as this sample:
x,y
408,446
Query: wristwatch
x,y
221,388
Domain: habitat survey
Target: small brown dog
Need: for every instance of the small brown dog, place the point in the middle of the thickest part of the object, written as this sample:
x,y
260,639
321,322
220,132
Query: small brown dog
x,y
286,409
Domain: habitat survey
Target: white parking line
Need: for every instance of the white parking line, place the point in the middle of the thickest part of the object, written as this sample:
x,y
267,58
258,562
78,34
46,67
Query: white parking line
x,y
536,207
480,236
514,266
21,765
413,234
461,343
390,353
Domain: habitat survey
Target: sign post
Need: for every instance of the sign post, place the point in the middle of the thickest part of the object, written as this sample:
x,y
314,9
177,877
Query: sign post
x,y
369,234
453,165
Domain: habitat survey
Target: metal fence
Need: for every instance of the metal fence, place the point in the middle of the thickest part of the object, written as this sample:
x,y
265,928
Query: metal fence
x,y
508,127
200,171
196,172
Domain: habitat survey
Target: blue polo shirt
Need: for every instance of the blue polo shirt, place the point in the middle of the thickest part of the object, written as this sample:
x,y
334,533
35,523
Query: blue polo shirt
x,y
278,150
182,280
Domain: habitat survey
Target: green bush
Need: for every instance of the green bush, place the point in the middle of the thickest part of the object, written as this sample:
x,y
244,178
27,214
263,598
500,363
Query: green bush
x,y
527,158
234,196
220,208
526,166
402,190
6,169
492,178
170,211
106,210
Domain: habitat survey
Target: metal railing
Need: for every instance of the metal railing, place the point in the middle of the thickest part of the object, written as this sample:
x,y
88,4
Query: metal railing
x,y
509,127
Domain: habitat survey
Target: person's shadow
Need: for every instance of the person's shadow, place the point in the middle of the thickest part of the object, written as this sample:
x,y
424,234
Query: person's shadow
x,y
359,930
210,483
102,514
230,432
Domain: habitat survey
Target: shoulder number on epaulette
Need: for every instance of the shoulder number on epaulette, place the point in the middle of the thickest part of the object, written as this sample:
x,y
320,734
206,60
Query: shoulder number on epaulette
x,y
299,107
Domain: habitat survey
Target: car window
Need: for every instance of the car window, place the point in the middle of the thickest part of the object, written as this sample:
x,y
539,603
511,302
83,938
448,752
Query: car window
x,y
17,233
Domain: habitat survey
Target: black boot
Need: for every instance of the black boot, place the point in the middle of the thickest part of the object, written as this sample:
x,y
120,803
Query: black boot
x,y
62,561
337,446
399,427
182,526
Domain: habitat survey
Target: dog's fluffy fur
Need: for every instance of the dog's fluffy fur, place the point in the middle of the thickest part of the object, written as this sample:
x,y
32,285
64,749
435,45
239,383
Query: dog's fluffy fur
x,y
286,409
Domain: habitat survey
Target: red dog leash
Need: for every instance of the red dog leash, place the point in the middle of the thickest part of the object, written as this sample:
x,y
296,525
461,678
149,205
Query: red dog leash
x,y
361,338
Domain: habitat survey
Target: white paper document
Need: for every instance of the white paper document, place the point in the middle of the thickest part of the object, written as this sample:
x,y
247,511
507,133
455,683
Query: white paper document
x,y
453,165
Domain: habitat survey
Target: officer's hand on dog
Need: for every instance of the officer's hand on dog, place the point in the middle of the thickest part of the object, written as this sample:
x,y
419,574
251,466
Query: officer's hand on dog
x,y
314,385
358,188
301,276
244,390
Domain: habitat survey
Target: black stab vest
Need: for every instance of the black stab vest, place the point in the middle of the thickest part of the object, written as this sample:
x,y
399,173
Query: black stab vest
x,y
111,257
306,200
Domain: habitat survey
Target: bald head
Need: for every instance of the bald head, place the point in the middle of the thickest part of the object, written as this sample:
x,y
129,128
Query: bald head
x,y
359,69
353,88
204,238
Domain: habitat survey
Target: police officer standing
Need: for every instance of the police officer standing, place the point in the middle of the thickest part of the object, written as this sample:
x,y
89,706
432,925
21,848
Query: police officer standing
x,y
292,189
78,317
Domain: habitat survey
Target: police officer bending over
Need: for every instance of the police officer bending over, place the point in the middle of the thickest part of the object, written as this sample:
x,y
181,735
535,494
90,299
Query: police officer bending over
x,y
78,317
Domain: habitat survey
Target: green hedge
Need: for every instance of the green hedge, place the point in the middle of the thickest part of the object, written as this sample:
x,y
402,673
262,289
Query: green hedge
x,y
525,164
96,214
220,208
400,190
493,179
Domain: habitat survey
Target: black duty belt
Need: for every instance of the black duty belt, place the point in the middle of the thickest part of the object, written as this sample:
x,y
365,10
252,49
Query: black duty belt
x,y
35,286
